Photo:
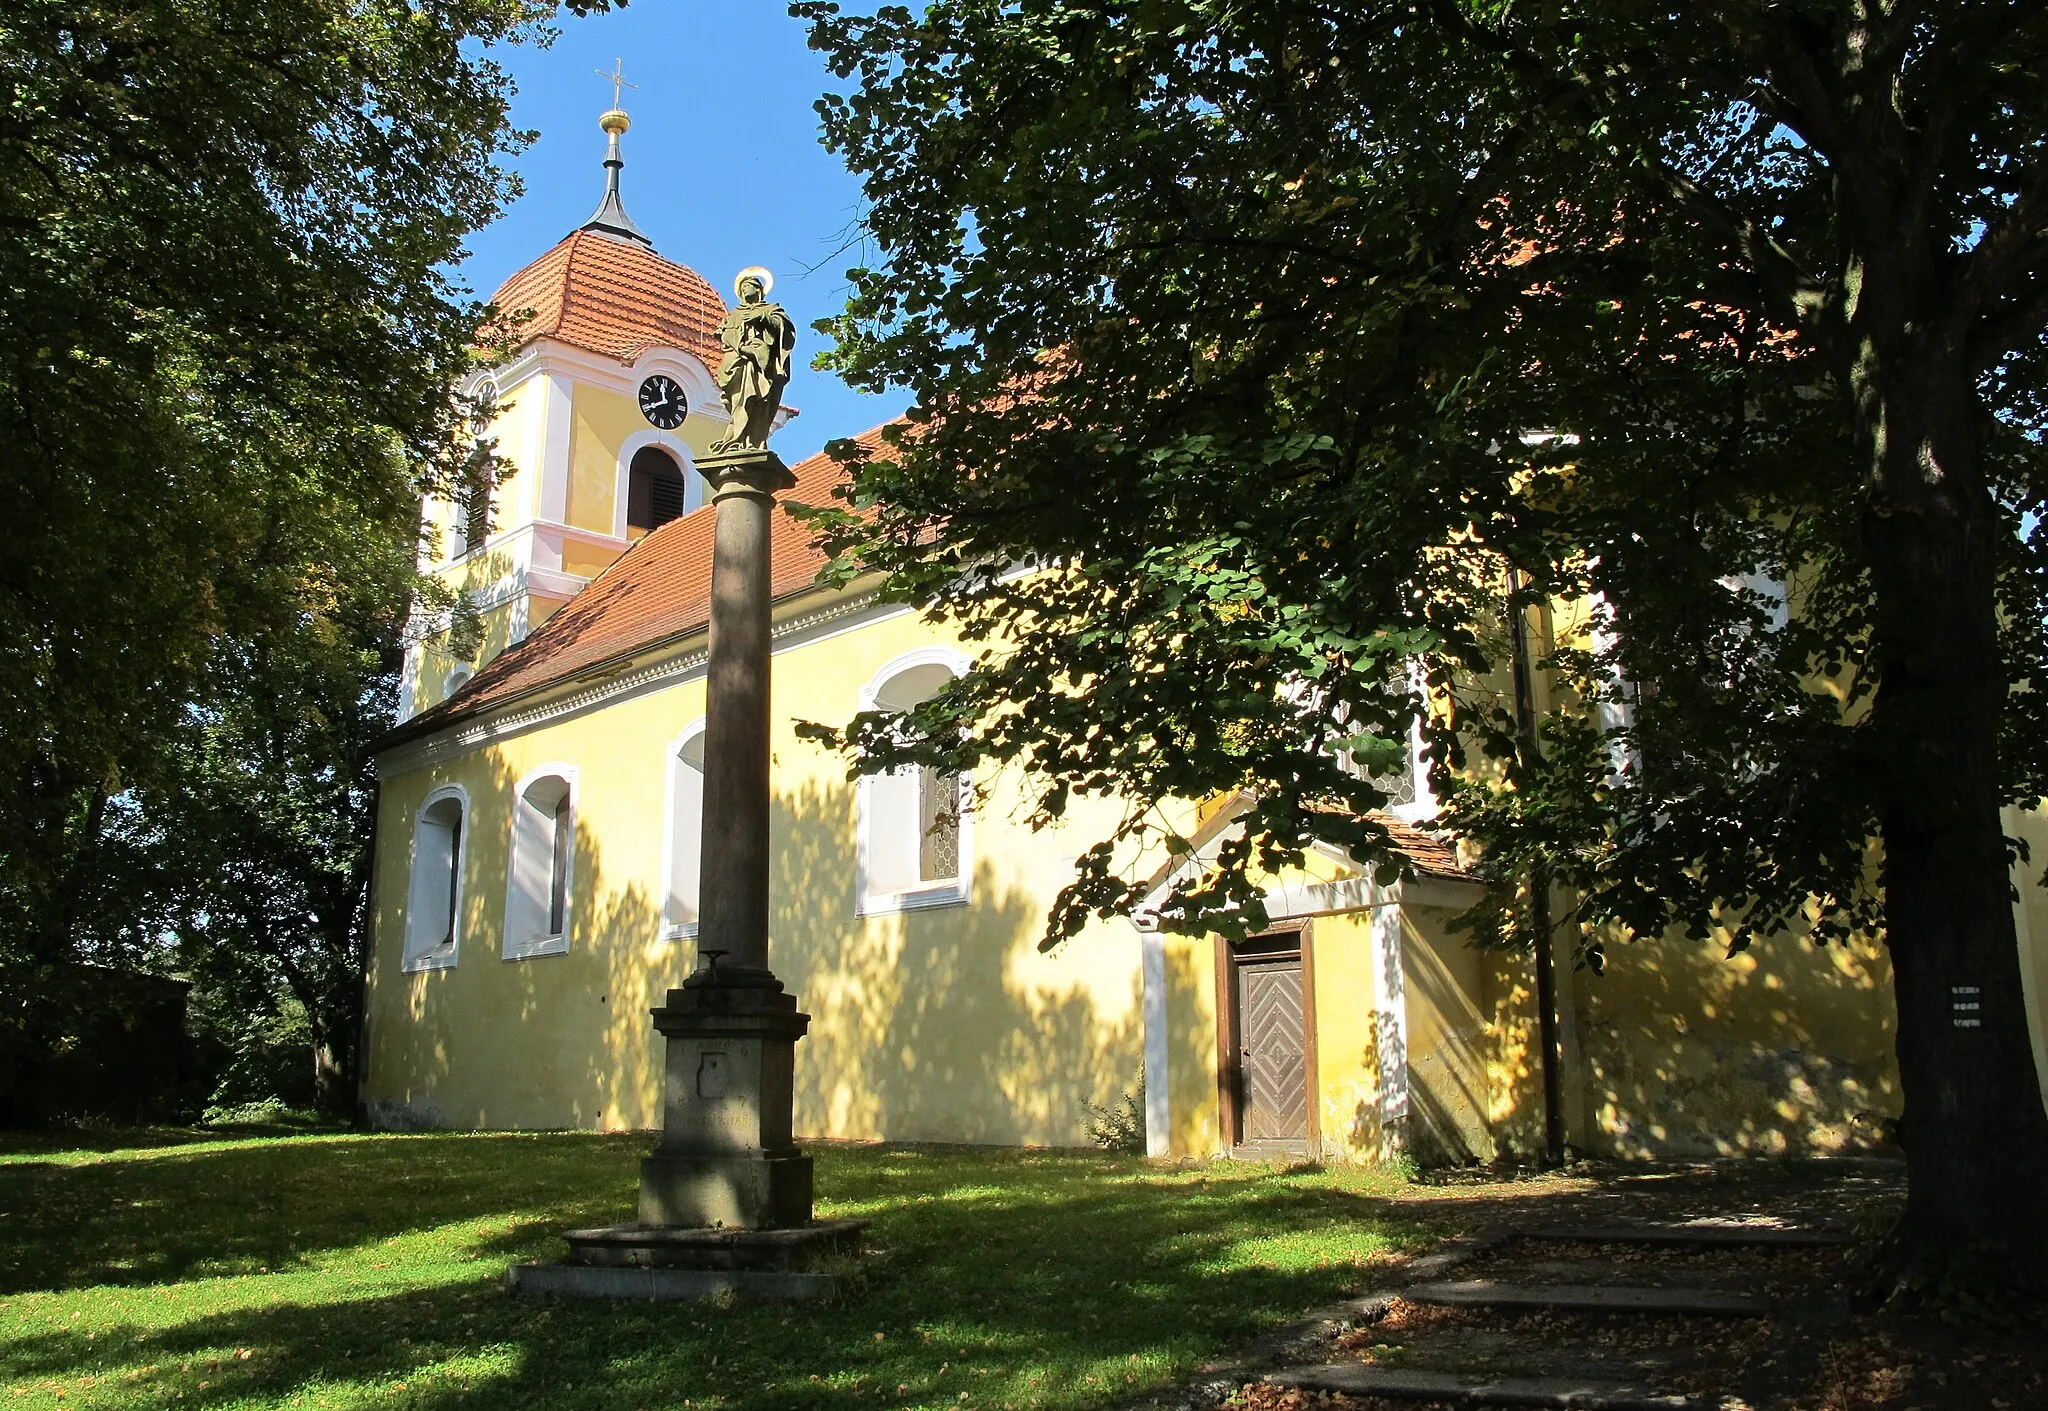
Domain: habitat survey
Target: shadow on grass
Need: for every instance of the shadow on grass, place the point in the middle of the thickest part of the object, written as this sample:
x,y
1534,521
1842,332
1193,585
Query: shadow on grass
x,y
19,1146
1011,1277
167,1215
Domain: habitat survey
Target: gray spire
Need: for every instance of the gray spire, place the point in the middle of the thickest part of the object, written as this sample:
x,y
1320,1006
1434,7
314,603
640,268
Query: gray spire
x,y
610,218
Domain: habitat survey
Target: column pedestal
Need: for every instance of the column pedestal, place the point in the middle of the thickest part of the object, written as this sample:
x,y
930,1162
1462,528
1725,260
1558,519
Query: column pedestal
x,y
727,1156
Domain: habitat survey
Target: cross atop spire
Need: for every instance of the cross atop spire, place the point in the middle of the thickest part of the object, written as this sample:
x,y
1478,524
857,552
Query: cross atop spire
x,y
617,78
610,217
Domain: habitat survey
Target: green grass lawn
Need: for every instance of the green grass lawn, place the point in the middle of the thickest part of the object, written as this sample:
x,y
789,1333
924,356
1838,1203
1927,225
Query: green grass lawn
x,y
352,1271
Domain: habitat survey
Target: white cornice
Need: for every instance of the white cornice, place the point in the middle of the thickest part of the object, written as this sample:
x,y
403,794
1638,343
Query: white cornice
x,y
604,684
548,355
521,580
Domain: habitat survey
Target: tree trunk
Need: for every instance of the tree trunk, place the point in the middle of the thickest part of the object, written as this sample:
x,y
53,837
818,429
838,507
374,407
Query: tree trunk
x,y
1974,1132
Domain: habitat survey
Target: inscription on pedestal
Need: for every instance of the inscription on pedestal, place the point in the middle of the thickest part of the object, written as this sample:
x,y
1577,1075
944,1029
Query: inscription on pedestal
x,y
711,1075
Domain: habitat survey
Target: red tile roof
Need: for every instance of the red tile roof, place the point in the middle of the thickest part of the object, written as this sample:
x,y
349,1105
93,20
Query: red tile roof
x,y
1428,853
658,591
611,297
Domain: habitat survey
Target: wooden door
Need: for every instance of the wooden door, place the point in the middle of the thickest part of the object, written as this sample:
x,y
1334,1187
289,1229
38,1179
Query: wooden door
x,y
1273,1052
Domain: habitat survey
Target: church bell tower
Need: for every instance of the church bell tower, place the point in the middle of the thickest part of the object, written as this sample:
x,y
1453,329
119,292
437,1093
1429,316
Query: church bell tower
x,y
601,401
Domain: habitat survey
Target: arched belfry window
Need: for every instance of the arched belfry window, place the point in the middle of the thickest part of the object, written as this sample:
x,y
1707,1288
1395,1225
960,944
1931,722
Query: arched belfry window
x,y
656,491
915,829
537,894
433,904
474,483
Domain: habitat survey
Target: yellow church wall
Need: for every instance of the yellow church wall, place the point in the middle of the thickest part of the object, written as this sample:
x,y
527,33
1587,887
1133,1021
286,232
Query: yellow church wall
x,y
1192,1112
599,423
949,1024
1782,1050
1674,1050
943,1023
514,500
1347,1037
516,429
1512,1053
2030,921
1448,1081
554,1040
585,560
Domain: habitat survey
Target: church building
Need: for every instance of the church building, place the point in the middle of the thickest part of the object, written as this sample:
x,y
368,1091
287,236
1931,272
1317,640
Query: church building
x,y
540,817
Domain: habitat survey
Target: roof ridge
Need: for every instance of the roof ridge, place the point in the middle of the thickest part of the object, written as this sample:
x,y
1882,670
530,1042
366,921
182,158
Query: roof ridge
x,y
568,278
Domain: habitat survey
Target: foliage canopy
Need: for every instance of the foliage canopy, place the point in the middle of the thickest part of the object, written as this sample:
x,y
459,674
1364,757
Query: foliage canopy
x,y
228,333
1302,347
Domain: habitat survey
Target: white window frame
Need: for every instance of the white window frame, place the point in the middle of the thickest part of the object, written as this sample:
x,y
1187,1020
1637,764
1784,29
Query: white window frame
x,y
672,929
439,955
1424,805
958,891
622,473
517,945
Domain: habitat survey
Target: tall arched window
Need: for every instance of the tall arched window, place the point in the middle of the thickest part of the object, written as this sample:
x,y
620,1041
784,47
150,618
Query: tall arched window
x,y
655,491
433,909
685,831
915,826
470,525
537,894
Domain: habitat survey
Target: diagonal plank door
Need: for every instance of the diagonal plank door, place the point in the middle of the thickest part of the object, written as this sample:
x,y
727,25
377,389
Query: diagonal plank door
x,y
1275,1065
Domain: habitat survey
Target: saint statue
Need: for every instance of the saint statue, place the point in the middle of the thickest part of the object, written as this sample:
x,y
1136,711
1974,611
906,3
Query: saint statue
x,y
757,338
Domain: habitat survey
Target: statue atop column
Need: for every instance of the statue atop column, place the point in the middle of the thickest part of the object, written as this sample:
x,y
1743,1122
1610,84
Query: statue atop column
x,y
757,337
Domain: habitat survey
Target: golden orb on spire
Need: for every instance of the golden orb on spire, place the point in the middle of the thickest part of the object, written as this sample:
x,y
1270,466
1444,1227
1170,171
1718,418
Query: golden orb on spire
x,y
615,121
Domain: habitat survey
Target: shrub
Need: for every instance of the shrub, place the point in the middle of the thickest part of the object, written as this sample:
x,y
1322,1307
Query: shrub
x,y
1120,1125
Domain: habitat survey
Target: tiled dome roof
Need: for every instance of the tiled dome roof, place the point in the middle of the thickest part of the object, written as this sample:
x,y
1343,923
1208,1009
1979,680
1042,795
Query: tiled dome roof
x,y
611,296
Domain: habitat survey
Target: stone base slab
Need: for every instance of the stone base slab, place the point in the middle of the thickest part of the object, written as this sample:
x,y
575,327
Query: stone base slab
x,y
662,1262
708,1250
613,1281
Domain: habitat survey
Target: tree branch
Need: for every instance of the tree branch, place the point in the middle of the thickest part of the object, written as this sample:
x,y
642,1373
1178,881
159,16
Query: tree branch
x,y
1947,87
2011,249
1999,332
1778,272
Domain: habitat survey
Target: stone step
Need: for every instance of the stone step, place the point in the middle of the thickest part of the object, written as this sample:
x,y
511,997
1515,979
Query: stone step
x,y
1589,1298
1710,1236
1461,1389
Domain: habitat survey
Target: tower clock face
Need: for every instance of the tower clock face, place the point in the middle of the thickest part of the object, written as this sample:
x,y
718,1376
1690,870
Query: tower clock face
x,y
662,402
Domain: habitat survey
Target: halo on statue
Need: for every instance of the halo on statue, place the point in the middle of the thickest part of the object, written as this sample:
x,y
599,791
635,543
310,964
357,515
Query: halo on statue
x,y
767,278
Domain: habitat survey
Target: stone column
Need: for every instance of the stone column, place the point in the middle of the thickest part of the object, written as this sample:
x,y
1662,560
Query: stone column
x,y
727,1157
732,901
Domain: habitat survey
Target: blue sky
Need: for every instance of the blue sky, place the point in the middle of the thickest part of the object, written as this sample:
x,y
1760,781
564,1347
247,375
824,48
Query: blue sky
x,y
723,169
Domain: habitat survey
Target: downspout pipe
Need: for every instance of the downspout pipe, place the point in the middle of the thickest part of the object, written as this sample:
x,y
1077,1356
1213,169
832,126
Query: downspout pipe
x,y
1539,890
